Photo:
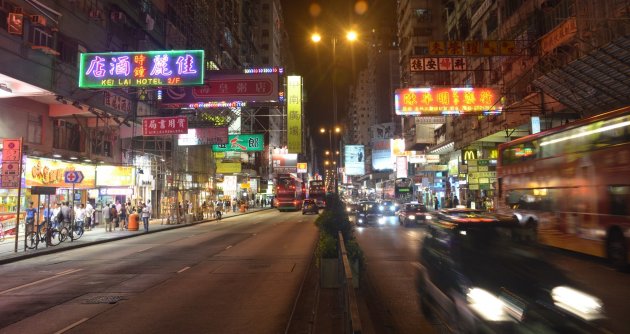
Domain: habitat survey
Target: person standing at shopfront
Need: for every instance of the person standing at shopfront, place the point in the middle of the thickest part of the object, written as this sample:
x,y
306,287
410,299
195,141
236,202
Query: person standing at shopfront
x,y
122,216
107,217
145,217
79,215
66,213
30,217
89,216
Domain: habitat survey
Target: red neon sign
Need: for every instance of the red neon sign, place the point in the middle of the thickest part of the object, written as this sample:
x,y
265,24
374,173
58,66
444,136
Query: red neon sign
x,y
447,101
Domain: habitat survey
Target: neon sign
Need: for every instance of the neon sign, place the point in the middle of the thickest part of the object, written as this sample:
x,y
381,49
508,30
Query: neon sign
x,y
148,68
447,101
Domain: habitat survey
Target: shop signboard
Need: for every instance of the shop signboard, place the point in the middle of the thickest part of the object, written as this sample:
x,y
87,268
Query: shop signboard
x,y
242,143
398,147
11,155
141,69
50,173
434,168
284,163
302,167
158,126
115,176
228,167
401,167
447,101
203,136
225,87
294,113
354,160
382,155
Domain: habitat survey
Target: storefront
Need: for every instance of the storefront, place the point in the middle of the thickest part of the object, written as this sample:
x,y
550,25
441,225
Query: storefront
x,y
115,184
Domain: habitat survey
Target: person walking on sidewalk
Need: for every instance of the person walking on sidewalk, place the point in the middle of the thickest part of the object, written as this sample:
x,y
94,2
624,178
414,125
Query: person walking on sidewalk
x,y
122,215
113,219
145,218
89,216
107,218
80,216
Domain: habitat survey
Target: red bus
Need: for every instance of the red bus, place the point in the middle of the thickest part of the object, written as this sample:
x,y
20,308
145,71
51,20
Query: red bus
x,y
571,185
289,193
317,191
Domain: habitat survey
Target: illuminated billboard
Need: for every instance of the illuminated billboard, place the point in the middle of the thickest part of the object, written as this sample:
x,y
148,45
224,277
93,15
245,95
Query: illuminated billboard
x,y
354,160
447,101
115,176
294,113
141,69
382,154
203,136
50,173
284,163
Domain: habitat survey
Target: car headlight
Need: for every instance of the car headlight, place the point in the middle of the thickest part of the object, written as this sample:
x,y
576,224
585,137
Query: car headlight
x,y
392,208
518,216
381,220
488,306
428,216
380,208
348,209
360,220
577,302
412,217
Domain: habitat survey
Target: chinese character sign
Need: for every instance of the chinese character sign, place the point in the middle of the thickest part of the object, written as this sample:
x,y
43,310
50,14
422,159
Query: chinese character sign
x,y
427,64
137,69
294,113
11,155
447,101
158,126
242,143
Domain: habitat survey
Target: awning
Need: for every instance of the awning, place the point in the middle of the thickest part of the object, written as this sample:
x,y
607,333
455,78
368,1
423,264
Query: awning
x,y
597,82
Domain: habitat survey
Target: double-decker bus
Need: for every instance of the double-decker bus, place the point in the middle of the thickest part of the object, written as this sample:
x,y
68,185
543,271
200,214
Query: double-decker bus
x,y
403,189
317,191
289,193
571,185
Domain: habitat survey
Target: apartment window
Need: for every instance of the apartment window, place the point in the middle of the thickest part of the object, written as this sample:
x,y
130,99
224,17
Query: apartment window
x,y
422,31
492,23
423,14
40,36
265,33
420,50
34,128
68,49
265,46
66,136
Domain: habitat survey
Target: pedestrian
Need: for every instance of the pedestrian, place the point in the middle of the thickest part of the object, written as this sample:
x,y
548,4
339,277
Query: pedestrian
x,y
30,217
455,201
56,215
48,214
148,205
66,214
79,215
204,209
145,217
89,215
122,216
436,203
114,222
107,217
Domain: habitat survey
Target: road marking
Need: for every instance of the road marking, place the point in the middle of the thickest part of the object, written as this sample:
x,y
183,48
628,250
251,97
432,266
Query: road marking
x,y
63,273
71,326
183,269
145,249
228,247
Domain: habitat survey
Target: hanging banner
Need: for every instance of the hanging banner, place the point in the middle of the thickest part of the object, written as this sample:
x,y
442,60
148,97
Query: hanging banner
x,y
242,143
157,126
141,69
228,167
294,113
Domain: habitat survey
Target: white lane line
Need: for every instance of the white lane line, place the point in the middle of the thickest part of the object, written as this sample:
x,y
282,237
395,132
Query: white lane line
x,y
63,273
69,327
183,269
144,249
228,247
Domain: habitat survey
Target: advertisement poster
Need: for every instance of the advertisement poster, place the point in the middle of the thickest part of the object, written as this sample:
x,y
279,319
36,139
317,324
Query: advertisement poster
x,y
284,163
401,167
50,173
354,159
382,155
228,167
203,136
115,176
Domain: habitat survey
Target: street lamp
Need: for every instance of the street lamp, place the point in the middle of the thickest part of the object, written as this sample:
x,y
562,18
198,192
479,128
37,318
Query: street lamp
x,y
332,148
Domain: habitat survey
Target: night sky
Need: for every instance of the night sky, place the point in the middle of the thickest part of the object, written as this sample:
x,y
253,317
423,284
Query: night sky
x,y
314,62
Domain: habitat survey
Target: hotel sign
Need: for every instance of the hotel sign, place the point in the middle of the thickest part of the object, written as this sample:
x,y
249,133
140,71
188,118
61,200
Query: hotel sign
x,y
141,69
446,101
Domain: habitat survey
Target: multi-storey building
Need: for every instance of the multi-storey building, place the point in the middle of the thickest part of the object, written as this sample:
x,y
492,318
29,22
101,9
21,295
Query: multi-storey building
x,y
71,127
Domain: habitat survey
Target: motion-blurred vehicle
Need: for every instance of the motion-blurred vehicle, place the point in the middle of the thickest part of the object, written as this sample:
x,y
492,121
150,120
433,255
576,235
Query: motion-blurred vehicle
x,y
388,208
368,213
351,208
480,280
310,206
413,213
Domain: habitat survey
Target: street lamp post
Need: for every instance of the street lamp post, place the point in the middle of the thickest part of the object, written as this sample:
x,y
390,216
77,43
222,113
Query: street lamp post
x,y
316,38
332,148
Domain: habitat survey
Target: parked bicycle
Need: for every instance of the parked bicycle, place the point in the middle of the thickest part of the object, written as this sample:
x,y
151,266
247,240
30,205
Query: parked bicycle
x,y
45,234
71,231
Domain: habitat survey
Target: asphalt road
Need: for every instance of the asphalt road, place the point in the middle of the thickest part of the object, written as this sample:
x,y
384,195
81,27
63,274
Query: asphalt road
x,y
392,251
240,275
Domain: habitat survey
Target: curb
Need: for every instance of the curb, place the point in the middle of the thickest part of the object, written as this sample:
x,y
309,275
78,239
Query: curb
x,y
54,249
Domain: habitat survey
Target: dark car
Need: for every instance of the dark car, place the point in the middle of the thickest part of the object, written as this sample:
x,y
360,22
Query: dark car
x,y
479,279
388,208
309,206
368,213
412,213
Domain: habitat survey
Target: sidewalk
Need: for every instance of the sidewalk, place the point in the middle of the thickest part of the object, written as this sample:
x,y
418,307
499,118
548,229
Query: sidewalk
x,y
95,236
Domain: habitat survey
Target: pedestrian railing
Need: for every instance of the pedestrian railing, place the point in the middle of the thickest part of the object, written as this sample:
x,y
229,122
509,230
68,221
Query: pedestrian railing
x,y
352,319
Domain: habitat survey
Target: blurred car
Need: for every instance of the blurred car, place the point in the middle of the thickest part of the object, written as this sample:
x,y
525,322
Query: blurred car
x,y
351,208
476,277
368,213
412,213
309,206
388,208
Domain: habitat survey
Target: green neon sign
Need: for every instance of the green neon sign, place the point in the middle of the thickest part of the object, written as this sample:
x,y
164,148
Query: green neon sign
x,y
141,69
242,143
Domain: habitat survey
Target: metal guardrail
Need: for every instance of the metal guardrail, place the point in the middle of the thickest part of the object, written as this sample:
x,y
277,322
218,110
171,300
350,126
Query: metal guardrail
x,y
351,307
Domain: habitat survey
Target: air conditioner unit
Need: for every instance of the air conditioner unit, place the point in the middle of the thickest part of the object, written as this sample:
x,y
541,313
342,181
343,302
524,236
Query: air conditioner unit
x,y
38,19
